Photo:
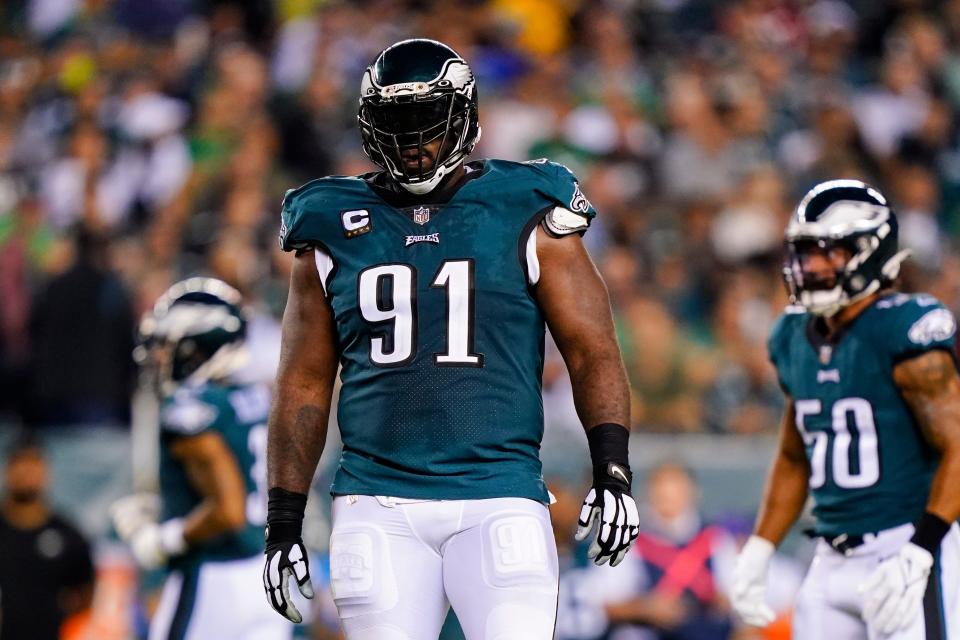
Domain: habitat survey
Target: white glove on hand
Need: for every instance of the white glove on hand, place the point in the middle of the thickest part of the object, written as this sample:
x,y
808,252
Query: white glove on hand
x,y
132,512
894,591
135,521
153,544
286,559
610,509
749,593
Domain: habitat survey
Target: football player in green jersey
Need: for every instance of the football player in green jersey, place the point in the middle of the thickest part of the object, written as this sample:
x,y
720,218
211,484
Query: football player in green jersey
x,y
430,284
205,524
871,430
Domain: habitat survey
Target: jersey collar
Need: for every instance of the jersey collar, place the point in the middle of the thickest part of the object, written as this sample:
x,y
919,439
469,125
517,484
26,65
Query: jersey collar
x,y
824,346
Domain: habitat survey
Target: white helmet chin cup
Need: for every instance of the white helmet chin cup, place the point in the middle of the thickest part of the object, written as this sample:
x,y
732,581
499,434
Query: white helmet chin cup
x,y
426,186
828,302
824,302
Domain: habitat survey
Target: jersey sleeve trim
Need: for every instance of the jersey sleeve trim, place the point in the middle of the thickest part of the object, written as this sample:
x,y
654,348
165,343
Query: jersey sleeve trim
x,y
529,229
533,263
326,266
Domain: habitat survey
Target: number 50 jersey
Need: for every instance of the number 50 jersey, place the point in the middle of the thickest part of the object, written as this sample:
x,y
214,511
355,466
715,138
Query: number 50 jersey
x,y
441,342
870,468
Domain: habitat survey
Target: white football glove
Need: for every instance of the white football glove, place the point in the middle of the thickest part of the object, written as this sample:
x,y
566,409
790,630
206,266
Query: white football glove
x,y
132,512
749,593
610,510
135,521
153,544
285,559
893,594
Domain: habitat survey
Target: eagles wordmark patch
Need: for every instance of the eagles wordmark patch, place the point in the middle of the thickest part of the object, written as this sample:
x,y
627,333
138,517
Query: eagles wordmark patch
x,y
433,238
828,375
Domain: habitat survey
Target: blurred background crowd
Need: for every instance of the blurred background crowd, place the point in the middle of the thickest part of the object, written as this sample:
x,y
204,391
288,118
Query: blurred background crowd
x,y
168,132
144,141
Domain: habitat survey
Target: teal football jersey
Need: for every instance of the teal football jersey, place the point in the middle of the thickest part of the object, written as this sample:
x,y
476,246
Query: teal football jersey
x,y
870,466
441,342
238,413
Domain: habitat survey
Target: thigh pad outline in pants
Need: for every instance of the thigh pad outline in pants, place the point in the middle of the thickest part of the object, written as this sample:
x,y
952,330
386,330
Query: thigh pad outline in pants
x,y
514,552
386,583
361,571
507,591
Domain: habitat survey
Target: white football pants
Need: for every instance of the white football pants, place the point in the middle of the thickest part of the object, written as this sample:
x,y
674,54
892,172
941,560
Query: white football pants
x,y
218,601
397,565
829,603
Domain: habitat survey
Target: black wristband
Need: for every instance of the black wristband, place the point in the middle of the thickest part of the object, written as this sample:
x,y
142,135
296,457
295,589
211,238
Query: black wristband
x,y
609,442
284,515
929,532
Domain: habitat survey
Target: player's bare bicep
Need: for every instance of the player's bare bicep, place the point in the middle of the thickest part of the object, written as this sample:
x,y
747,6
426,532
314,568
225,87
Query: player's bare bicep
x,y
307,304
570,290
930,384
577,309
309,337
791,442
309,355
933,373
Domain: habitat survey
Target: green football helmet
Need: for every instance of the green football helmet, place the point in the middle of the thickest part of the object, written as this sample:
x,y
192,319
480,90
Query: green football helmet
x,y
417,92
855,216
194,333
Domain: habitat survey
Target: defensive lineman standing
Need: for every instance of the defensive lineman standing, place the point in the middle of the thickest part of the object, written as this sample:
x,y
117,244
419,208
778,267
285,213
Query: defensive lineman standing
x,y
430,283
872,427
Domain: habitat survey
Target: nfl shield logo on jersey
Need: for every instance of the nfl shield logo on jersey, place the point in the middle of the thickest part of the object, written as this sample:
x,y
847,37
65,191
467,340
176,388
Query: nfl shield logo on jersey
x,y
421,215
826,352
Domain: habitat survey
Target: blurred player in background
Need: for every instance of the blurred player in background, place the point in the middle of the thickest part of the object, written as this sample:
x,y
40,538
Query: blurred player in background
x,y
431,282
871,428
46,572
206,524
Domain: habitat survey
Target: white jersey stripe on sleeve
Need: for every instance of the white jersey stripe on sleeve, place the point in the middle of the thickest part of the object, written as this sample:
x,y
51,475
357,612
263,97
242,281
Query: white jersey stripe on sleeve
x,y
533,264
324,266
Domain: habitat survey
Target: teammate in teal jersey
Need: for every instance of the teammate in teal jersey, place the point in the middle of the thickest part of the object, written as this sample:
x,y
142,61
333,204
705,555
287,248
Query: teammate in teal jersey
x,y
871,430
206,523
431,283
